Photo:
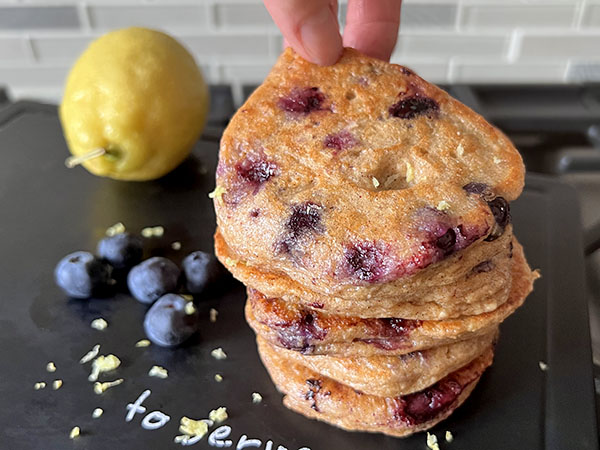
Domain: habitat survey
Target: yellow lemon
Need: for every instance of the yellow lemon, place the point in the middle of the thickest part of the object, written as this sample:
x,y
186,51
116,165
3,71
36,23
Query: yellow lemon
x,y
139,95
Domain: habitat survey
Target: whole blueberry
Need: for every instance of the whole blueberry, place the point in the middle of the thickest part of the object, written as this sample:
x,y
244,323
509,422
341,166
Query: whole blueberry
x,y
152,279
167,322
82,275
200,269
122,250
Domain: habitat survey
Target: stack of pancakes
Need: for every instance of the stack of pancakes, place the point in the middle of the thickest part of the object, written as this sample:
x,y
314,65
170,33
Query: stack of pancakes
x,y
367,212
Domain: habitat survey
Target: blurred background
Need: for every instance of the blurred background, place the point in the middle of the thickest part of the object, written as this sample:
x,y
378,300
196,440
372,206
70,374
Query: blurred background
x,y
235,41
531,67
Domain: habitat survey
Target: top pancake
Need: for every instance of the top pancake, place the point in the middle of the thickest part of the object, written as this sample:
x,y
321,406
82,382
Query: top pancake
x,y
349,176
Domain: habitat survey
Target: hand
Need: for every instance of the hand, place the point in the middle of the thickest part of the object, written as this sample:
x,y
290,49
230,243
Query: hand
x,y
312,29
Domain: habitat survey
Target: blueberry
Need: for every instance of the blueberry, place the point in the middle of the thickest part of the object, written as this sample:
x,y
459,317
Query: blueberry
x,y
82,275
152,278
200,269
302,101
414,106
167,323
122,250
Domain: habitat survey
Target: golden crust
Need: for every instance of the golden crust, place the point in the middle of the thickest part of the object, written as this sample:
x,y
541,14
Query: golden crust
x,y
321,398
274,159
449,289
281,324
390,376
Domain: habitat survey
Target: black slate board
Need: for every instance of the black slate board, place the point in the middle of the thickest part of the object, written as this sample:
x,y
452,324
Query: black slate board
x,y
48,211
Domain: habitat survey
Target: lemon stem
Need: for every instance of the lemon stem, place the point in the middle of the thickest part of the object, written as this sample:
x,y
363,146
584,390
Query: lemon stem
x,y
73,161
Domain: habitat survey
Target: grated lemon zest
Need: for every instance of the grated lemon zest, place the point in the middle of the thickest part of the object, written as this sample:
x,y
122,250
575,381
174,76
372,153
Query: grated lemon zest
x,y
218,353
432,442
217,193
50,367
97,413
143,343
90,355
443,205
115,229
99,324
410,174
375,182
189,308
218,377
213,313
158,372
103,364
176,245
39,385
100,388
449,436
75,432
56,384
256,397
218,415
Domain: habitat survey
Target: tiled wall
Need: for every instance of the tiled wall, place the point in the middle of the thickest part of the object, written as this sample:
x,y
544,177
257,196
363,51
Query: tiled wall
x,y
446,41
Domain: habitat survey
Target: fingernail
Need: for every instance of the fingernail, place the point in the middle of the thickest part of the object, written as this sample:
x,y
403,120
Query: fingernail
x,y
321,38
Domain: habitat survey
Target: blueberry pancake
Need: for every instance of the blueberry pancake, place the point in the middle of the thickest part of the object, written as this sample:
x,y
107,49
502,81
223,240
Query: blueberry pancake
x,y
357,175
293,327
390,376
468,283
319,397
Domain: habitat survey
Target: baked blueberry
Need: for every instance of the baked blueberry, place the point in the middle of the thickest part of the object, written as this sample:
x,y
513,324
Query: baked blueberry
x,y
200,270
169,323
81,275
122,250
152,279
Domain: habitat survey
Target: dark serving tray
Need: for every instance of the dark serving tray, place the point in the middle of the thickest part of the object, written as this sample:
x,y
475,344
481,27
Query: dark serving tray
x,y
48,211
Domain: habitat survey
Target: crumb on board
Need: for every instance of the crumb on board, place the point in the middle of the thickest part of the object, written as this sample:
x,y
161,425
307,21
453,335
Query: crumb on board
x,y
103,364
158,372
97,413
218,415
90,355
176,245
115,229
51,367
39,385
256,398
543,366
218,353
213,313
143,343
75,432
100,388
218,377
56,384
99,324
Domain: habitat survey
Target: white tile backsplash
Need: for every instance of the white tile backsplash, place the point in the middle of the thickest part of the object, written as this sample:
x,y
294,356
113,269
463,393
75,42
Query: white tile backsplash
x,y
449,45
502,15
13,49
235,41
148,15
558,46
